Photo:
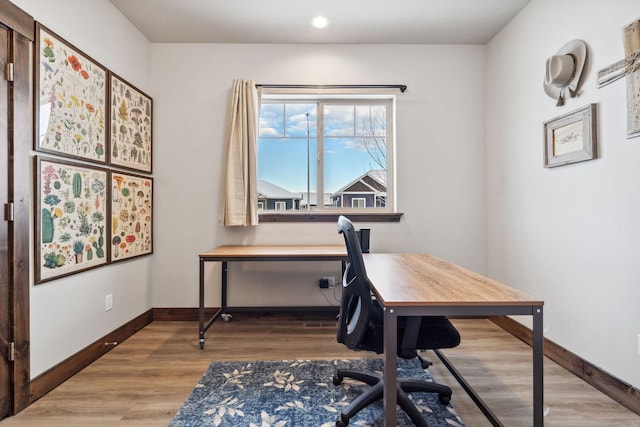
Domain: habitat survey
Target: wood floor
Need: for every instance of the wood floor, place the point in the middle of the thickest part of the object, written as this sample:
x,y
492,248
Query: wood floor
x,y
143,381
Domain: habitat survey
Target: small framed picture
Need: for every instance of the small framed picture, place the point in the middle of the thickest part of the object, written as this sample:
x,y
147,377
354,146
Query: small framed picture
x,y
130,116
71,218
570,138
131,216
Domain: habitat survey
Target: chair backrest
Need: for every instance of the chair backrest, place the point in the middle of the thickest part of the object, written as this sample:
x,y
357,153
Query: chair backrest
x,y
356,302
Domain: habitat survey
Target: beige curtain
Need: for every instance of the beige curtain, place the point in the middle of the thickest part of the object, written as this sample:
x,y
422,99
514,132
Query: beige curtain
x,y
240,206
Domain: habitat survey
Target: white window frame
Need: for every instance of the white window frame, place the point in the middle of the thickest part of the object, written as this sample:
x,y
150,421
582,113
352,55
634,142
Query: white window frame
x,y
358,200
280,206
346,97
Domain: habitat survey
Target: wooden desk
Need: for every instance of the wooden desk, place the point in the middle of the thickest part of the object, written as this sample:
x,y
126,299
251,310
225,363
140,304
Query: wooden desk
x,y
419,285
229,253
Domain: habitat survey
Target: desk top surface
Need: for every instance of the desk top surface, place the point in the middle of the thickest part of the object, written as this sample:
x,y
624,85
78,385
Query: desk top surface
x,y
275,252
424,280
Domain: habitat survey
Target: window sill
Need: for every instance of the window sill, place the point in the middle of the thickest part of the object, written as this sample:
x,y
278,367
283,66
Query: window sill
x,y
328,217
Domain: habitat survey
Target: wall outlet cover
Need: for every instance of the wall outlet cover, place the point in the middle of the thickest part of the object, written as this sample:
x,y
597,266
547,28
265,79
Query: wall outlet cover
x,y
331,281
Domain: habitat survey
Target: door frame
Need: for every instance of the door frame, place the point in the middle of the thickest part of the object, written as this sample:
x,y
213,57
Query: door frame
x,y
21,27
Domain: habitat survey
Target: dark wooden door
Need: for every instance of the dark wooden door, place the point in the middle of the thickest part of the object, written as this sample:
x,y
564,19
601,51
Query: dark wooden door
x,y
16,141
5,274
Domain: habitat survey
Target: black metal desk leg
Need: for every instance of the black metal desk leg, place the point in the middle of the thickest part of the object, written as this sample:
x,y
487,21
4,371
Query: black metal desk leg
x,y
390,394
201,306
223,290
538,361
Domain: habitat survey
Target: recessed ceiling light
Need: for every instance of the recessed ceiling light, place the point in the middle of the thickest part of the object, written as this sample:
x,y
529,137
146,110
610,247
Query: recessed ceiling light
x,y
320,22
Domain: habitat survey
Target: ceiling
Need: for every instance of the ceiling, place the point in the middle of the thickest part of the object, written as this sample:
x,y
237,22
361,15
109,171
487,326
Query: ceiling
x,y
350,21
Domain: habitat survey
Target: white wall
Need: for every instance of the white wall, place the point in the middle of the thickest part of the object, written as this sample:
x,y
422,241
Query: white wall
x,y
68,314
571,234
440,161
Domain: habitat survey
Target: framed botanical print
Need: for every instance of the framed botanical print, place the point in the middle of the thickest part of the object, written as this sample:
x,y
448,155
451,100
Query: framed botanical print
x,y
131,216
130,117
71,218
71,99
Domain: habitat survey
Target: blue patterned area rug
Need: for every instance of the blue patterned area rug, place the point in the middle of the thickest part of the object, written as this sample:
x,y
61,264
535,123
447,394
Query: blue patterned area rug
x,y
296,394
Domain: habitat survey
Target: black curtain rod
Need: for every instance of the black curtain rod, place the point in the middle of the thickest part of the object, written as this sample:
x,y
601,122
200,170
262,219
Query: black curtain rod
x,y
402,88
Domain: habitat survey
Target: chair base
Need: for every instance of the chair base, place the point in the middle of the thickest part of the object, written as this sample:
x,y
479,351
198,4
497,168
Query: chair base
x,y
375,393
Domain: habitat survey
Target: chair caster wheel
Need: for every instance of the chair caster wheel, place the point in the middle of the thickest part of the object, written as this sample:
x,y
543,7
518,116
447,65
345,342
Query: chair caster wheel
x,y
341,423
337,380
424,363
444,399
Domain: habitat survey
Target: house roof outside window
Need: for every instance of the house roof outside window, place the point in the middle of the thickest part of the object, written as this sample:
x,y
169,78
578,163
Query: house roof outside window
x,y
374,181
269,190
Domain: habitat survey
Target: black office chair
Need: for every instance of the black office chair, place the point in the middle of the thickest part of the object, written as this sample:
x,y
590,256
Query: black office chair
x,y
361,325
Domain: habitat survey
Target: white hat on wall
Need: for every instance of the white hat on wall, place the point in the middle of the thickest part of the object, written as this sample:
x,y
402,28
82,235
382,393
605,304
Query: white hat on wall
x,y
564,70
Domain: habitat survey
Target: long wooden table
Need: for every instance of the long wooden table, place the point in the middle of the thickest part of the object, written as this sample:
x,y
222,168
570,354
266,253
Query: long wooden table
x,y
422,285
237,253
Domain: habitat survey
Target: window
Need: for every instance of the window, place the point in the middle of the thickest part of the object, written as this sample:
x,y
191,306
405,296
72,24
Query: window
x,y
358,202
326,153
281,206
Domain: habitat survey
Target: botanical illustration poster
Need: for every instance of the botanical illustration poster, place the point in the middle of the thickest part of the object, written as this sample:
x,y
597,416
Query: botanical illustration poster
x,y
130,126
131,219
71,226
72,94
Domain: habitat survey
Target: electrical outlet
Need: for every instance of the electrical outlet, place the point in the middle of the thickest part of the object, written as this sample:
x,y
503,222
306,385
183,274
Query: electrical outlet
x,y
330,280
108,302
